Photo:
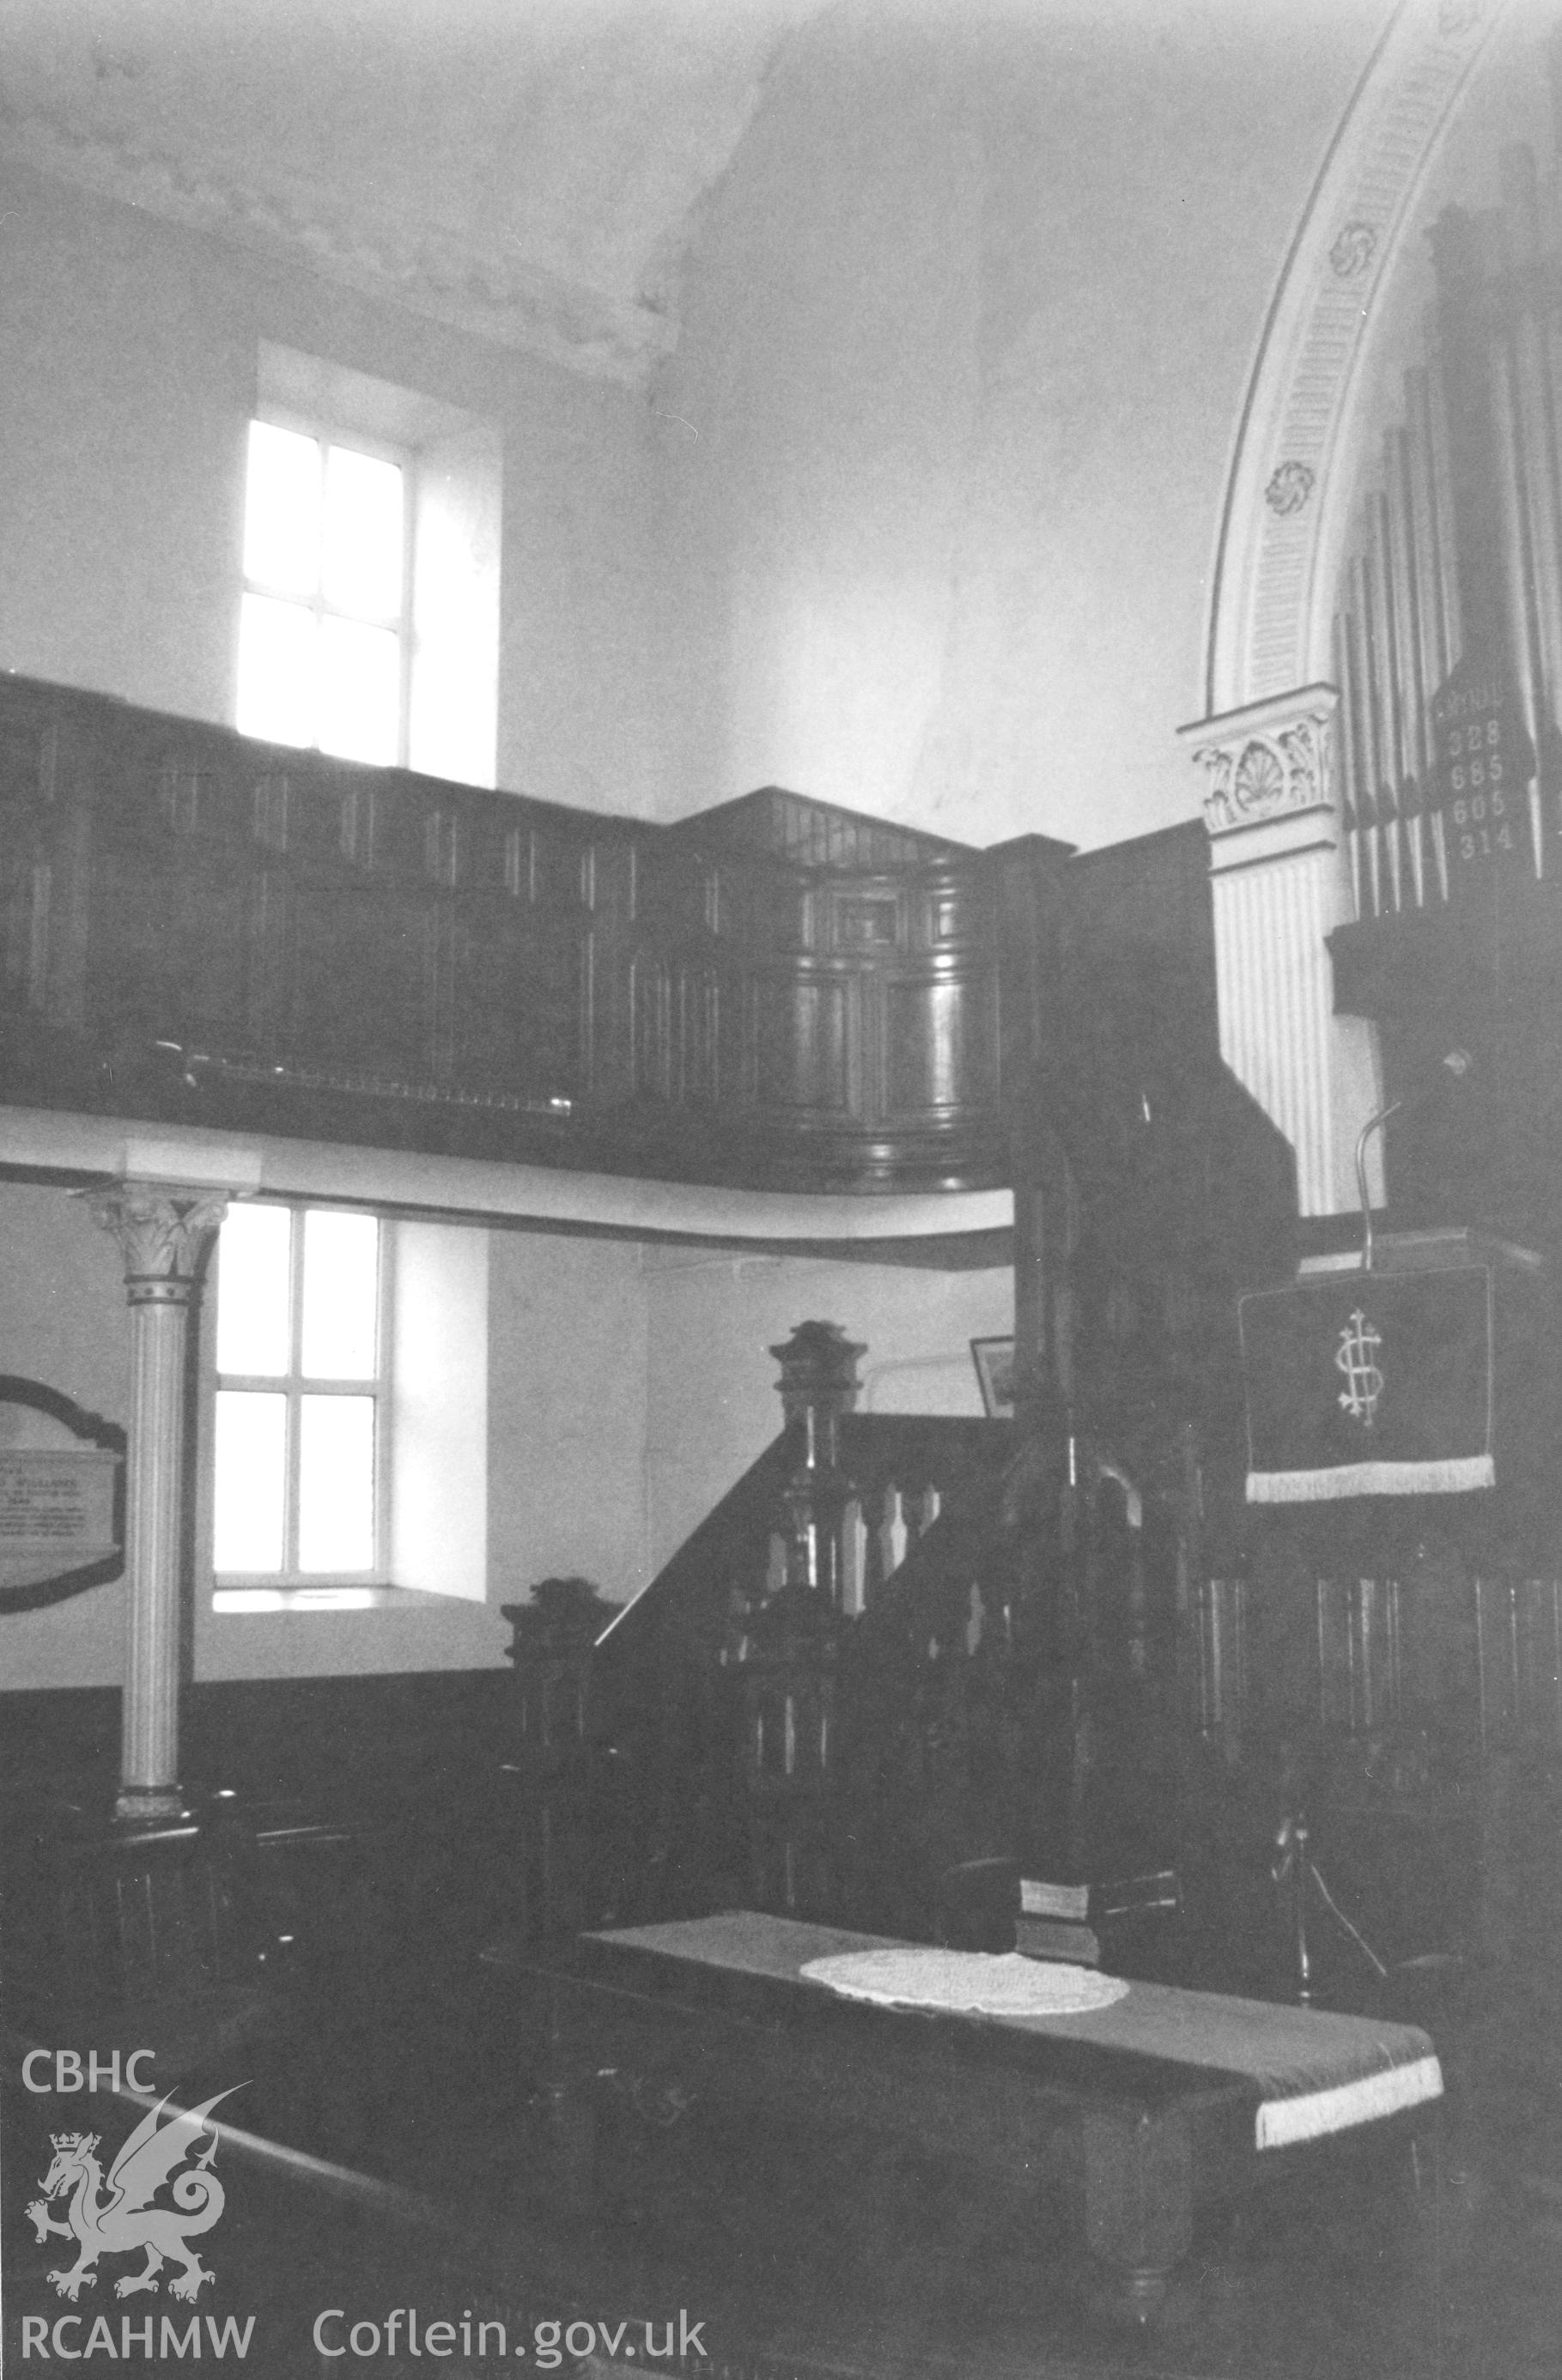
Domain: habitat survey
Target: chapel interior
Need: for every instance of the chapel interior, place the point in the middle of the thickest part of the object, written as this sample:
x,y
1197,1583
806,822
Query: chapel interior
x,y
939,1005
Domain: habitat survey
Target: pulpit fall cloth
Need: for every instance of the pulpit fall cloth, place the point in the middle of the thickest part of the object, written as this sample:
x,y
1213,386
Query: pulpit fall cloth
x,y
1370,1384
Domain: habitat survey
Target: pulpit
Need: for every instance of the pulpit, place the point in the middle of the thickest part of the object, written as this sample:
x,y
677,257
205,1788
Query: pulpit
x,y
1408,1379
1401,1421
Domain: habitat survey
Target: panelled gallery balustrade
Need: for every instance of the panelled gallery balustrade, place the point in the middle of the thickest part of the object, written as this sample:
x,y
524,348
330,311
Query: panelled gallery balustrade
x,y
196,927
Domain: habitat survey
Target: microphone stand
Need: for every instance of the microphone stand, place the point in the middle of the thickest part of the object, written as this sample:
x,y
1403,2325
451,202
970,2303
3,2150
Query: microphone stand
x,y
1293,1865
1374,1123
1458,1064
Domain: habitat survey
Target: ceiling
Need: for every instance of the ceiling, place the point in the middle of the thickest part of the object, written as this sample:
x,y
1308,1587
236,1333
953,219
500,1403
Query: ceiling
x,y
525,168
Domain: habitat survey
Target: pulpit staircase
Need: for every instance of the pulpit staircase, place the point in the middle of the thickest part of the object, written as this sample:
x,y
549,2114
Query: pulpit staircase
x,y
896,1646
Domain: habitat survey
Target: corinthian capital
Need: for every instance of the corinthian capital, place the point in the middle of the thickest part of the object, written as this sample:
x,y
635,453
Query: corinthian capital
x,y
1271,760
164,1231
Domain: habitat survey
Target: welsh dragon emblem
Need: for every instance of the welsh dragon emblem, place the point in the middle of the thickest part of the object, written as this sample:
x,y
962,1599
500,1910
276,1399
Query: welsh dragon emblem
x,y
118,2221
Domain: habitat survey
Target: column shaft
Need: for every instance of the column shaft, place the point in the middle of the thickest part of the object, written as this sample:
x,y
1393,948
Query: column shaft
x,y
163,1232
154,1503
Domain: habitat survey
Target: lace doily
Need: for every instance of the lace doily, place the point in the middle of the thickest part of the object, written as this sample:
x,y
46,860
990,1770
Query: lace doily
x,y
967,1982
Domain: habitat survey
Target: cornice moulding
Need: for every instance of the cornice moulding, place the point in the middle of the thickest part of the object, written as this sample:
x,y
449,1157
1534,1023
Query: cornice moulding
x,y
479,290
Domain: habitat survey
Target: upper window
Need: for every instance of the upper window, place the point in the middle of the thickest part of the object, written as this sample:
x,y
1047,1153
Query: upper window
x,y
302,1362
323,641
369,606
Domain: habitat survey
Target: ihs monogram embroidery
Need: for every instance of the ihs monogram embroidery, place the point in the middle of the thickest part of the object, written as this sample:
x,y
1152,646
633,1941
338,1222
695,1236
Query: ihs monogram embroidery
x,y
1359,1344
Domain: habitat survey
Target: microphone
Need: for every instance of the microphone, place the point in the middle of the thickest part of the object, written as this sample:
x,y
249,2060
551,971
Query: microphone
x,y
1453,1067
1456,1065
1288,1845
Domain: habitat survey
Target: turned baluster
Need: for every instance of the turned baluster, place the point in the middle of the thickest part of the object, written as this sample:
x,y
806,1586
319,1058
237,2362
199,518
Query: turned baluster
x,y
784,1651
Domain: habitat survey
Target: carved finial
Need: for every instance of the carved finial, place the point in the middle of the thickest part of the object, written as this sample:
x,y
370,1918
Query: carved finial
x,y
818,1367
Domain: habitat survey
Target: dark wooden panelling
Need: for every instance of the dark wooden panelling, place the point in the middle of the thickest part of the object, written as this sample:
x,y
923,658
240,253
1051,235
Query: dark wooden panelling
x,y
354,1746
803,1038
930,1029
201,929
1484,974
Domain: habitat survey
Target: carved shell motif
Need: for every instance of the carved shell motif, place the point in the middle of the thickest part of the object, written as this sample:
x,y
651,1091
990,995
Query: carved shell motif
x,y
1259,781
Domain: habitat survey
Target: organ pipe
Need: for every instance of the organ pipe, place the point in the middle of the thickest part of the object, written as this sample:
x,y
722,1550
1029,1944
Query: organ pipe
x,y
1405,628
1456,556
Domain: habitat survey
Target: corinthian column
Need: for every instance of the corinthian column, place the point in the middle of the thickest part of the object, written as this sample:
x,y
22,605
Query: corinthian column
x,y
163,1232
1280,886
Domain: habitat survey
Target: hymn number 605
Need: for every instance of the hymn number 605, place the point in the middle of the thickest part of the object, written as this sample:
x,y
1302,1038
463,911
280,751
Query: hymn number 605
x,y
1477,839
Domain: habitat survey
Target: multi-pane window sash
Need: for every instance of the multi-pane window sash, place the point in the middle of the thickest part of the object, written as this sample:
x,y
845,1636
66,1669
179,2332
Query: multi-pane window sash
x,y
299,1469
324,637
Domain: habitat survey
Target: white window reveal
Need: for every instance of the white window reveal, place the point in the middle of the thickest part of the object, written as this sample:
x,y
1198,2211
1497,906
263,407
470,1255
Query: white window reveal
x,y
301,1399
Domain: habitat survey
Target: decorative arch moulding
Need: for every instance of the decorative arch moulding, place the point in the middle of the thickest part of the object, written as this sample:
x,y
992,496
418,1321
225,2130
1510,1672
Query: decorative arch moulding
x,y
1283,519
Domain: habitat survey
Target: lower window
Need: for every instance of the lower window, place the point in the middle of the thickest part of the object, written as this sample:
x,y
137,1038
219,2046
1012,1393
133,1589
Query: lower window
x,y
299,1452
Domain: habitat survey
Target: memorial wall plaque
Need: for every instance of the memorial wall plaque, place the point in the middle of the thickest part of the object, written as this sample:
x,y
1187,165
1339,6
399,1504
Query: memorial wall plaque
x,y
62,1497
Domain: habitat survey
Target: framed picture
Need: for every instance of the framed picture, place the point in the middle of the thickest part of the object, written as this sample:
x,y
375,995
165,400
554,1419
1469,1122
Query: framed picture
x,y
994,1359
